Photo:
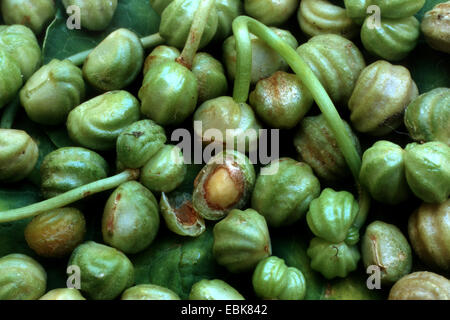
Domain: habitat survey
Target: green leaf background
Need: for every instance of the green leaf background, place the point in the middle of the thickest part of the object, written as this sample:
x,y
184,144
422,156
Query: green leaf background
x,y
61,43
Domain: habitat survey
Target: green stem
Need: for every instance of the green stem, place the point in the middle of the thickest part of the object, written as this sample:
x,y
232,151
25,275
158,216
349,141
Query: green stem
x,y
10,113
196,33
243,61
241,27
308,78
147,42
69,196
79,58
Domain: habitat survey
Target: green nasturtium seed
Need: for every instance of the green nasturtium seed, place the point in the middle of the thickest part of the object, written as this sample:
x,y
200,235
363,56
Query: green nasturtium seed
x,y
176,20
270,12
159,5
63,294
225,121
435,27
323,17
428,170
52,92
333,259
352,237
131,218
115,62
176,262
97,123
241,240
105,271
427,117
332,214
422,285
138,142
56,233
272,279
281,100
393,40
429,234
159,55
336,61
383,173
225,183
21,278
381,95
18,155
96,15
210,75
357,9
316,145
71,167
398,8
165,171
227,11
283,193
169,93
353,287
265,60
180,215
10,77
149,292
214,290
383,245
395,9
35,14
23,47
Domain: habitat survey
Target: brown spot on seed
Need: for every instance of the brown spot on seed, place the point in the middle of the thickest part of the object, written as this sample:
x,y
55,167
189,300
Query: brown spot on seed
x,y
186,214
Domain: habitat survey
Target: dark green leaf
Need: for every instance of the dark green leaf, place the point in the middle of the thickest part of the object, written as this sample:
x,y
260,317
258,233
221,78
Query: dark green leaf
x,y
176,262
61,43
59,136
429,68
12,238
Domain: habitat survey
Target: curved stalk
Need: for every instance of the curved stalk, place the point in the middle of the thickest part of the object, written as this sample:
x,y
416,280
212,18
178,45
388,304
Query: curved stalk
x,y
243,61
10,113
147,42
196,33
241,27
152,40
69,197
